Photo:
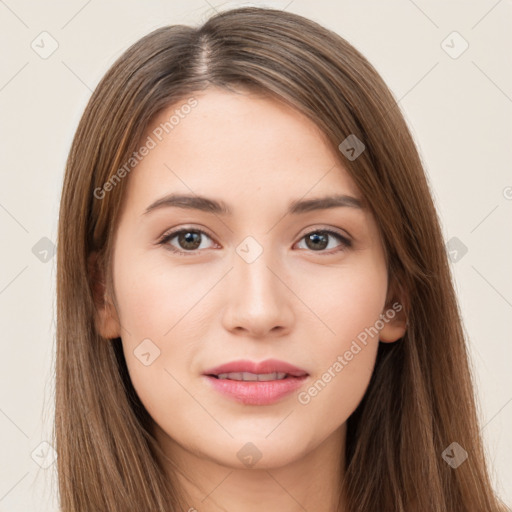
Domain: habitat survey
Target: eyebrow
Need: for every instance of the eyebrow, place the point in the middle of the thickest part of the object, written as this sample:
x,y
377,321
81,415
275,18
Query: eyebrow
x,y
205,204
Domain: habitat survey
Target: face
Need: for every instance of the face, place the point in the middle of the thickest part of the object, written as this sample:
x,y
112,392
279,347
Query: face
x,y
280,276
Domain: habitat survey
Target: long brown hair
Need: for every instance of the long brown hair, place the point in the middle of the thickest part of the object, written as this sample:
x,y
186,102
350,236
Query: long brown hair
x,y
107,457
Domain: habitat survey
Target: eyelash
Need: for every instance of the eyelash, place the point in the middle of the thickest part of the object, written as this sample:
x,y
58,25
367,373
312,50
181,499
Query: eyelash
x,y
167,237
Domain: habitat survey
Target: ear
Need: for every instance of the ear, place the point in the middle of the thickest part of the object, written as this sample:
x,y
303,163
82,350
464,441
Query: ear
x,y
394,315
106,319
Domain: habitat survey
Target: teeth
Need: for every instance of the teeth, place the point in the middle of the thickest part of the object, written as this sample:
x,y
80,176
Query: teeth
x,y
269,376
247,376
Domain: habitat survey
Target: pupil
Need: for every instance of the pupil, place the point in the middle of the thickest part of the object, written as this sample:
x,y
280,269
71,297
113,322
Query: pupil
x,y
190,240
315,238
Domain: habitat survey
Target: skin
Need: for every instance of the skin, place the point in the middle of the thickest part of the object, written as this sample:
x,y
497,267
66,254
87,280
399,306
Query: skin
x,y
294,303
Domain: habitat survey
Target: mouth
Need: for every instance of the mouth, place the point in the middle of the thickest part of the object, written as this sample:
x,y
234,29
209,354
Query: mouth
x,y
254,377
256,383
270,369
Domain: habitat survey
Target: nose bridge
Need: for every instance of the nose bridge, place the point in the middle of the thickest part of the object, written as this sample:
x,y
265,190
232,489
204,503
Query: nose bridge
x,y
253,274
258,300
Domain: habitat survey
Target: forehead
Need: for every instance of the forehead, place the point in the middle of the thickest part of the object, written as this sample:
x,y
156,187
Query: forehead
x,y
248,149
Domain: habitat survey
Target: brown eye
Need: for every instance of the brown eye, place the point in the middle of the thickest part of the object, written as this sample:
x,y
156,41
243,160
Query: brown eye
x,y
319,241
187,240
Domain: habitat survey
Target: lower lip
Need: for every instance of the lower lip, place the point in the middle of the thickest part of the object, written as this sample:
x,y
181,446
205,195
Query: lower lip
x,y
256,392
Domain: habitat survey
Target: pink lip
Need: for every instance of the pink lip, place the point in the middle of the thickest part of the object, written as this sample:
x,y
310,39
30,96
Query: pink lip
x,y
255,392
267,366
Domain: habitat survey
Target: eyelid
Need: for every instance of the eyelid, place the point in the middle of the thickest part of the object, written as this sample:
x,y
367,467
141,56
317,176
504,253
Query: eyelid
x,y
327,229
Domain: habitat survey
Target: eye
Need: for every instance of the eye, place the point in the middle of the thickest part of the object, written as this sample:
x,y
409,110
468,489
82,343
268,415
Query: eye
x,y
318,241
187,239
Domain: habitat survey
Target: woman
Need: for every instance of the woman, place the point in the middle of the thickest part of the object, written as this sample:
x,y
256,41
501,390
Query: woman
x,y
255,308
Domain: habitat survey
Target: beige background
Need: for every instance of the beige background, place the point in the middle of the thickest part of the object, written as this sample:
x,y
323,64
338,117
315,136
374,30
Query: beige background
x,y
459,110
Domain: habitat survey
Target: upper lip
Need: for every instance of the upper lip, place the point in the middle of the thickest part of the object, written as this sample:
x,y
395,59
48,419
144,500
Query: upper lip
x,y
267,366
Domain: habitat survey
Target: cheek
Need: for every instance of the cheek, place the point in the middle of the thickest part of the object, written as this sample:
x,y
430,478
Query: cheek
x,y
161,314
155,296
347,299
350,305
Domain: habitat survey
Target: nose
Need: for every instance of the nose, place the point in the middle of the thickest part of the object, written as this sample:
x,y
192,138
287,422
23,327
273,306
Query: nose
x,y
259,302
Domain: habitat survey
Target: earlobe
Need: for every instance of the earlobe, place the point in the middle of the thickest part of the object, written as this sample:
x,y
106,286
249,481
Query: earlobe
x,y
394,315
107,323
393,329
106,319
